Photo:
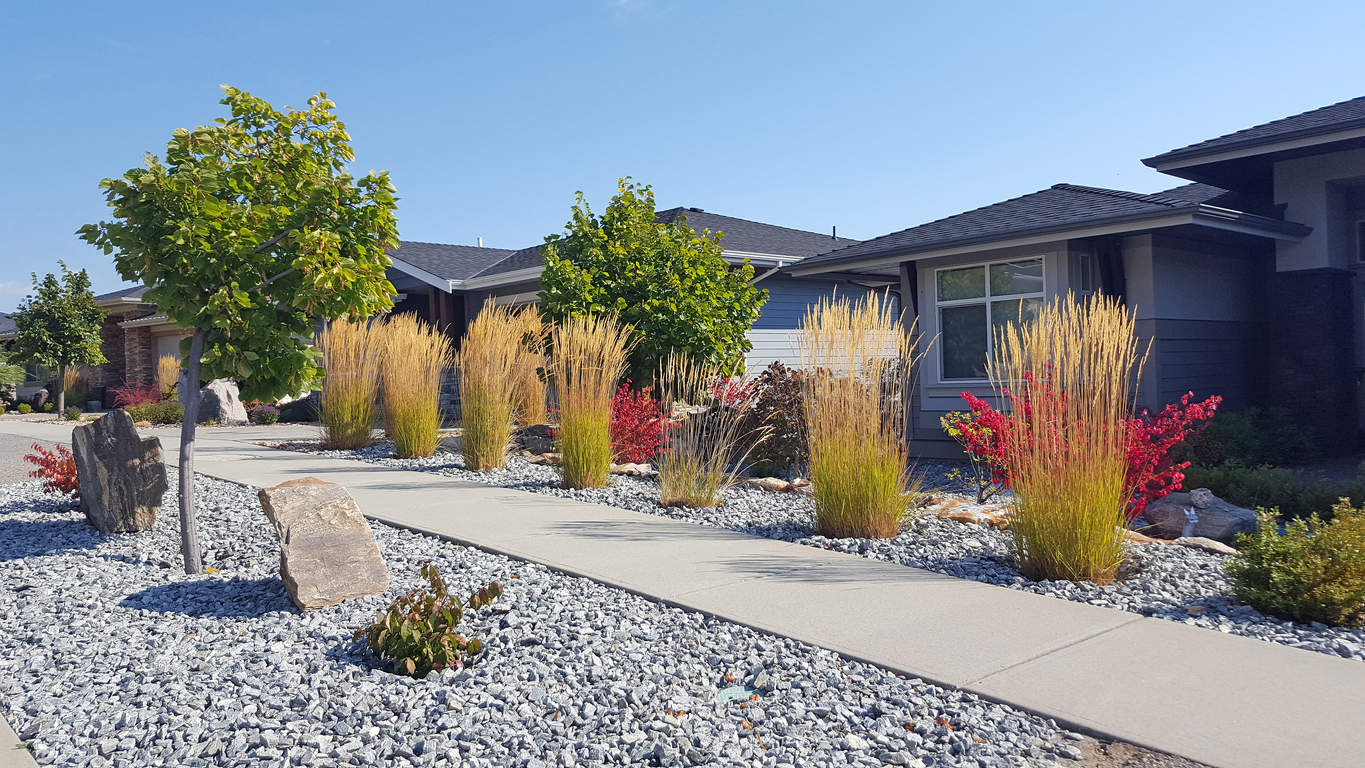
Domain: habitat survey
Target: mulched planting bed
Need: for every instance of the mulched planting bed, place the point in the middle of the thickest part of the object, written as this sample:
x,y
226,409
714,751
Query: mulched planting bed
x,y
1167,582
111,656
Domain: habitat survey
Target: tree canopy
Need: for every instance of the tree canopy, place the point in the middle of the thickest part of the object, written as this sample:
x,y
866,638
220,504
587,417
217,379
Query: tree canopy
x,y
59,325
249,231
669,283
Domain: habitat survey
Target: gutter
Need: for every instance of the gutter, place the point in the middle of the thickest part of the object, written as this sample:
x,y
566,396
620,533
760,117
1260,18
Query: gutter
x,y
1199,214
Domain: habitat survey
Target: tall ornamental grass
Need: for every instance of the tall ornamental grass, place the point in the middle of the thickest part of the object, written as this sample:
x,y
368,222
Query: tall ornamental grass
x,y
416,356
489,357
588,358
1067,378
528,386
858,362
699,457
167,376
350,361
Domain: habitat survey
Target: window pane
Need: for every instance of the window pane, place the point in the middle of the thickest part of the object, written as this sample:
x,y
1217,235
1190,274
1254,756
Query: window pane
x,y
963,334
969,283
1015,277
1006,312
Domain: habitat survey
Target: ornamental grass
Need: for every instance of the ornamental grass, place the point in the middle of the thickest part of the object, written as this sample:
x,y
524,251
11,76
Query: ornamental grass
x,y
588,358
1067,378
415,358
858,362
167,376
528,383
702,435
351,363
489,358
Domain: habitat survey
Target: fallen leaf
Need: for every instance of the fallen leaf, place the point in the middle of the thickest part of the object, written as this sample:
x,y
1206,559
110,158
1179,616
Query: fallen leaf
x,y
746,725
754,697
943,721
1196,609
910,726
978,738
729,677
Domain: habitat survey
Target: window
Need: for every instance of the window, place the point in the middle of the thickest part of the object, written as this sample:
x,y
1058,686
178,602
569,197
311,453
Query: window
x,y
973,302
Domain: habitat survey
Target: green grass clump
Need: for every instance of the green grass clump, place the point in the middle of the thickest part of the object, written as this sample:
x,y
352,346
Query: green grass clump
x,y
416,356
491,380
157,413
588,359
1314,572
350,357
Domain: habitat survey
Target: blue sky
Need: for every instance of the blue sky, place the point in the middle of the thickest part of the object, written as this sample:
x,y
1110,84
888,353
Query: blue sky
x,y
867,116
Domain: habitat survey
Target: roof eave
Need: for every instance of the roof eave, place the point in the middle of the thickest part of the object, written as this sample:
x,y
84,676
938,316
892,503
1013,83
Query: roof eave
x,y
1261,145
493,281
413,270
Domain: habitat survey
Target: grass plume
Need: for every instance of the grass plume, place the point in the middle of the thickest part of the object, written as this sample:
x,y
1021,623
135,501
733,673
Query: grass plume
x,y
528,386
1067,378
350,360
698,460
489,359
415,357
858,363
588,358
167,375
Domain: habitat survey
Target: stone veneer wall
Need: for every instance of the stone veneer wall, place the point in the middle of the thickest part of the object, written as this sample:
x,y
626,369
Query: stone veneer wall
x,y
140,356
111,373
1312,354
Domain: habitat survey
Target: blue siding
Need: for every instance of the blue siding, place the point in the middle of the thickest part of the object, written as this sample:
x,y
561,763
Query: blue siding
x,y
789,297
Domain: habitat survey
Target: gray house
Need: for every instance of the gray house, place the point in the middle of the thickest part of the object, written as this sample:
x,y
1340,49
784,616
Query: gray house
x,y
1248,281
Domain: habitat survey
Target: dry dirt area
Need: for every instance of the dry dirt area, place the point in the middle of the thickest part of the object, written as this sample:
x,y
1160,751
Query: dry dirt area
x,y
1097,754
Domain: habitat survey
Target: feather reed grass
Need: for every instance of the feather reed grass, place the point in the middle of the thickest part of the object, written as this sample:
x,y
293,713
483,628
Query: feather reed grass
x,y
588,358
167,376
859,363
350,360
490,358
415,357
1067,377
700,444
528,386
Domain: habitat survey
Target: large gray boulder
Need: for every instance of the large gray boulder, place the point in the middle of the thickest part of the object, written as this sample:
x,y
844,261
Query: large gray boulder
x,y
218,401
327,551
121,475
1206,515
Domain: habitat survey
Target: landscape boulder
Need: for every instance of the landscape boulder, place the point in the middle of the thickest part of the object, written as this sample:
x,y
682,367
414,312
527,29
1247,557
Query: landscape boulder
x,y
218,401
327,551
121,474
536,438
1219,520
40,399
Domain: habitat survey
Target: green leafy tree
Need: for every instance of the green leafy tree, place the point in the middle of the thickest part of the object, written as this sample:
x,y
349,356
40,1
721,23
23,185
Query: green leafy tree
x,y
248,233
59,326
667,282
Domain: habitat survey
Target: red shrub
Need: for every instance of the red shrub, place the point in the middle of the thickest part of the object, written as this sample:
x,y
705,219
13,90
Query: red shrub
x,y
732,391
135,394
636,425
57,470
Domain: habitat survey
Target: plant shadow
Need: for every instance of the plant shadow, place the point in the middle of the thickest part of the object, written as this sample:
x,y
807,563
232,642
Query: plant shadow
x,y
216,598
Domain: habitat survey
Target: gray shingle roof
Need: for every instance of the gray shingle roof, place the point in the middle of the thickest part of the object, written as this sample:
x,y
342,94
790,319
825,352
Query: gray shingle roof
x,y
740,235
131,292
448,262
1341,116
7,325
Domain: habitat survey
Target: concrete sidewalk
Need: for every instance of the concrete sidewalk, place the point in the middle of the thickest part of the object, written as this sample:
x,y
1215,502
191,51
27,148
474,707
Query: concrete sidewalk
x,y
1220,699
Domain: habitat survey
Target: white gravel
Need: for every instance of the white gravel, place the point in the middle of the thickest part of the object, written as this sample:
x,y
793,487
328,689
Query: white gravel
x,y
111,656
1168,582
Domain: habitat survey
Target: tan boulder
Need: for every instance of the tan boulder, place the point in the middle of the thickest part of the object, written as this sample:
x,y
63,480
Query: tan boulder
x,y
1138,538
775,484
631,470
327,551
1205,545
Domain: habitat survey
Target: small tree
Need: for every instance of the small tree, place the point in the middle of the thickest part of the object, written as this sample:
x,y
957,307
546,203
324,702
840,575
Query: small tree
x,y
59,326
249,232
665,281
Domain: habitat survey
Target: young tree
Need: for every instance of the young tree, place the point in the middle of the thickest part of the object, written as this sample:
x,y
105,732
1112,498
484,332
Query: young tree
x,y
59,326
667,282
249,232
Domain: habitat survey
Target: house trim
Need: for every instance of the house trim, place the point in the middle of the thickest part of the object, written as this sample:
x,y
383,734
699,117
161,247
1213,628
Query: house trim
x,y
1262,145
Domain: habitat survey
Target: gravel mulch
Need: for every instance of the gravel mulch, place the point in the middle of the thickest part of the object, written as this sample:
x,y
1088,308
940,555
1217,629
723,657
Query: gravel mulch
x,y
111,656
1166,582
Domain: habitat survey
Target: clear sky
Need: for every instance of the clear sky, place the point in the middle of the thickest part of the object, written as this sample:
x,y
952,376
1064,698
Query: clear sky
x,y
871,117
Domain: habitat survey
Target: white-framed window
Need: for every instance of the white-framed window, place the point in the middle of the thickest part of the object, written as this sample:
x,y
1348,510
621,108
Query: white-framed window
x,y
972,301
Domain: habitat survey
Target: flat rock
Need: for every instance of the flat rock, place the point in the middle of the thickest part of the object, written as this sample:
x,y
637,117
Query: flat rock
x,y
327,551
218,401
632,470
1138,538
1219,521
120,474
1205,545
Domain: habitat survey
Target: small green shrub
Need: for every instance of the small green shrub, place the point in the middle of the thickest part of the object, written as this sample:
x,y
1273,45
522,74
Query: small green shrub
x,y
1251,437
72,413
25,408
157,413
1314,572
419,631
49,407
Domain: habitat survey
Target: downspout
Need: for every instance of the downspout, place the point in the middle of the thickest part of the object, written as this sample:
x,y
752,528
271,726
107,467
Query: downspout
x,y
766,275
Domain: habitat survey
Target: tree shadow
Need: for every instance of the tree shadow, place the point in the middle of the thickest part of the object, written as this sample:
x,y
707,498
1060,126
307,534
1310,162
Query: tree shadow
x,y
216,598
33,538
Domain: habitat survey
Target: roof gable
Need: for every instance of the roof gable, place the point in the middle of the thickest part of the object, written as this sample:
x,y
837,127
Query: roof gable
x,y
1341,116
744,236
448,262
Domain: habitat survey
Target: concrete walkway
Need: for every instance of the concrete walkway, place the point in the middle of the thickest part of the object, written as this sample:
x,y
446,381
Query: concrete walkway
x,y
1219,699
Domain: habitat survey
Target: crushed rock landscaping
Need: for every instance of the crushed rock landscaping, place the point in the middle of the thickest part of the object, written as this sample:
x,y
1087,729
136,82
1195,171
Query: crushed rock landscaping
x,y
111,656
1163,581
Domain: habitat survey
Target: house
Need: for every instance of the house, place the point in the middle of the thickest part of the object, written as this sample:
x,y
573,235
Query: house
x,y
1247,281
447,285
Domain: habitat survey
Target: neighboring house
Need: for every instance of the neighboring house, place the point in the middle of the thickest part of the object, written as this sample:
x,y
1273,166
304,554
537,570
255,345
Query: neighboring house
x,y
448,284
1248,282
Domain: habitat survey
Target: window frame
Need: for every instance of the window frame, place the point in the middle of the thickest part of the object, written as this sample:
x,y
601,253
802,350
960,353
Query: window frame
x,y
987,300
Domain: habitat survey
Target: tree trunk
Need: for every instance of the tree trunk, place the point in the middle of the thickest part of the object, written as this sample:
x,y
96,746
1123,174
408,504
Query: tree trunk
x,y
189,527
61,390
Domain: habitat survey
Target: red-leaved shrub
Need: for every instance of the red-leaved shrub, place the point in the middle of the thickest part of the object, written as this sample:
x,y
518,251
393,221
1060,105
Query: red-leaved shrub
x,y
135,394
57,470
637,430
